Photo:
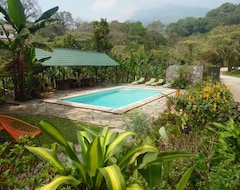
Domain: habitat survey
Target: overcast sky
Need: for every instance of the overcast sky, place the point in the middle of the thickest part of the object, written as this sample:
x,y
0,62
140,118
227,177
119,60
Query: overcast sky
x,y
120,10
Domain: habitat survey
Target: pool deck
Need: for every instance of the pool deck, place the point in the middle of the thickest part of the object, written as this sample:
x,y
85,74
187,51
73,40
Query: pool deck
x,y
117,121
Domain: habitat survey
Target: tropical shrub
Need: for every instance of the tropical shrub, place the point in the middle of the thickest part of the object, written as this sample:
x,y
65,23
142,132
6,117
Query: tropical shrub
x,y
181,83
203,103
228,139
19,169
105,161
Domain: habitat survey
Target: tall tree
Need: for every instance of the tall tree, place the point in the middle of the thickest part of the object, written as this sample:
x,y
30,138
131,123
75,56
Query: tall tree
x,y
101,42
65,20
23,45
31,8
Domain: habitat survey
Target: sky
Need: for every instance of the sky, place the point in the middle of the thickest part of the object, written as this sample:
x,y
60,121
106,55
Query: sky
x,y
121,10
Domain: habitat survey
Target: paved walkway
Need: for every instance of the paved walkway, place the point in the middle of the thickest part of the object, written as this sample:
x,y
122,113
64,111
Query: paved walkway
x,y
233,82
114,121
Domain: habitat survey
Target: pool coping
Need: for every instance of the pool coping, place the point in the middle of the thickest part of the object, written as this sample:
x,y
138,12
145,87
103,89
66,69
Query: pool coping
x,y
111,110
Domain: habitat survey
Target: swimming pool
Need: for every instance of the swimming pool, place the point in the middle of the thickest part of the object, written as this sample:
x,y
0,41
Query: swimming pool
x,y
114,100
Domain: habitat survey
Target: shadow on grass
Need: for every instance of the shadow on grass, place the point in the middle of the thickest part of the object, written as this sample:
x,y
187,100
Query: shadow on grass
x,y
67,127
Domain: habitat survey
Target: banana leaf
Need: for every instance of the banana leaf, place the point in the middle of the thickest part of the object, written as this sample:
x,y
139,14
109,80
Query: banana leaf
x,y
16,13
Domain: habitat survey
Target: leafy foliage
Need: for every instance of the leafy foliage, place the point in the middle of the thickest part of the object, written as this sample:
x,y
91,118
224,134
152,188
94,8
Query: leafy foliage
x,y
105,161
19,169
203,103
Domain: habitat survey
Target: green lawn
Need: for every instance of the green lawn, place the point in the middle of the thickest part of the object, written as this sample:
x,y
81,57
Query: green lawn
x,y
67,127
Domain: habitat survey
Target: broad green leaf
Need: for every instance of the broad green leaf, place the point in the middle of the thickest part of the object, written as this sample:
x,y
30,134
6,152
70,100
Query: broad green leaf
x,y
164,135
53,133
47,14
148,158
94,157
113,177
103,136
173,155
92,131
60,180
117,144
47,155
152,174
132,154
99,180
42,24
16,13
57,136
134,187
84,139
183,181
81,168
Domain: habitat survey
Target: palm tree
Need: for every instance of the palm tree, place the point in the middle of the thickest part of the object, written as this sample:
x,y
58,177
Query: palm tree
x,y
23,46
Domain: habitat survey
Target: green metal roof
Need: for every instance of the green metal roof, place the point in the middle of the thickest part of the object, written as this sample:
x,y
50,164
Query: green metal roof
x,y
70,57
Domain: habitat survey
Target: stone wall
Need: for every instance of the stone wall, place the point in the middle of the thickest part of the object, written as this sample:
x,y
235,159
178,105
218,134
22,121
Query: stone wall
x,y
195,73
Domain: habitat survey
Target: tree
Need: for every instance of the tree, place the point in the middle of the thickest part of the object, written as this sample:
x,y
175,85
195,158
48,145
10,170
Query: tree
x,y
156,26
226,41
101,42
31,8
65,19
23,45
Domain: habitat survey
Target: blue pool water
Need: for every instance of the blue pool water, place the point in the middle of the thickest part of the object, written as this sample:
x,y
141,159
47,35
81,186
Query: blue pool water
x,y
114,98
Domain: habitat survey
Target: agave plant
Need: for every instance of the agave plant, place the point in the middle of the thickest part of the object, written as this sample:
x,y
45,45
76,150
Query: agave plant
x,y
104,162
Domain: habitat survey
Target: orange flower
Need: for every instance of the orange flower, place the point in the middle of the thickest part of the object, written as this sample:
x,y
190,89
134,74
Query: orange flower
x,y
195,107
215,107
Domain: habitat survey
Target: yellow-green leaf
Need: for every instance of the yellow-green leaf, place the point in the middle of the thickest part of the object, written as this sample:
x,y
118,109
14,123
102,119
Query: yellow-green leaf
x,y
113,177
60,180
47,155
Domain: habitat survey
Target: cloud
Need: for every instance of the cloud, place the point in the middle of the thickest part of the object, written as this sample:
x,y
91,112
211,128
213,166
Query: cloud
x,y
103,5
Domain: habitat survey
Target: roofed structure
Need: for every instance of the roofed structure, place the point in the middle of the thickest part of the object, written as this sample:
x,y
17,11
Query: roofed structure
x,y
70,57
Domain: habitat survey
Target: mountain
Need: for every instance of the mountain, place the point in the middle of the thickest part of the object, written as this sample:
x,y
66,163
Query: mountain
x,y
168,13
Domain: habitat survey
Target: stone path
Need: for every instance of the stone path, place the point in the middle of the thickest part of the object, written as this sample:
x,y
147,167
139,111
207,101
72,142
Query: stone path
x,y
115,121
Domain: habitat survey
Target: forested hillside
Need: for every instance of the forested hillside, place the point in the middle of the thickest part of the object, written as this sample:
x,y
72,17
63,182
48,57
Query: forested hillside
x,y
213,39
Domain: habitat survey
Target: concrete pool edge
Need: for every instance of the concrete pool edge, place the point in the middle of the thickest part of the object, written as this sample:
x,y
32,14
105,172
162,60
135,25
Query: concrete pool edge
x,y
111,110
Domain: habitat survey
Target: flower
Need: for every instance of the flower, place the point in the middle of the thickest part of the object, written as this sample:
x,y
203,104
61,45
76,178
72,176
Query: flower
x,y
215,107
194,107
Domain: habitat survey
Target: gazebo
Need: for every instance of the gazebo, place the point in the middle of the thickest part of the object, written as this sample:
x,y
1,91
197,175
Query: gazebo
x,y
75,58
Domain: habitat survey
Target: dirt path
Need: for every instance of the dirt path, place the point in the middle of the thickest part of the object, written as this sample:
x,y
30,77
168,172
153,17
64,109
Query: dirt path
x,y
234,83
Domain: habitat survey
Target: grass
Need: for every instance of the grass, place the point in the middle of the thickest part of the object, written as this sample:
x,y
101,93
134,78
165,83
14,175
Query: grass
x,y
234,73
67,127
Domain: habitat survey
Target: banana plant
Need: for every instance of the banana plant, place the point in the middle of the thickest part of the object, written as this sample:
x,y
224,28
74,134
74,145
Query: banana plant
x,y
22,46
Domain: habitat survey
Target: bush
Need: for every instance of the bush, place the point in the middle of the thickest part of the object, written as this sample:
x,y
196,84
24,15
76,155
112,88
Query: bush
x,y
181,83
204,103
20,169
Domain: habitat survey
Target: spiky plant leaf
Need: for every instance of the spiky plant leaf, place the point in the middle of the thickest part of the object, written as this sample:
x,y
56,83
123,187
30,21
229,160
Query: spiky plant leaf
x,y
113,177
57,137
47,155
183,181
132,154
117,144
60,180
